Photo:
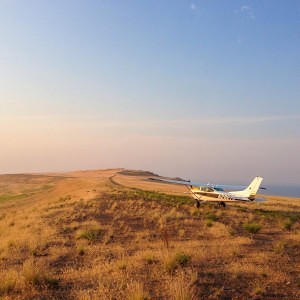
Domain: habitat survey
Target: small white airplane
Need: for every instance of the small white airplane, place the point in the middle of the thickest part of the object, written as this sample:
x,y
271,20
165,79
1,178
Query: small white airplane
x,y
218,193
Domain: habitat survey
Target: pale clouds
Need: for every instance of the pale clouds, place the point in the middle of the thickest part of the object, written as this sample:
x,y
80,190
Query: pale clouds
x,y
193,6
247,11
75,130
117,121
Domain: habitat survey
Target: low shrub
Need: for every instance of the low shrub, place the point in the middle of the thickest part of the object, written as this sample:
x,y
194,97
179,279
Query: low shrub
x,y
252,227
174,261
279,247
122,264
90,234
81,250
211,217
209,223
150,259
287,224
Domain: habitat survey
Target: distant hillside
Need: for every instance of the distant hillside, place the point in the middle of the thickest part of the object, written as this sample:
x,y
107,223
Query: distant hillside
x,y
137,173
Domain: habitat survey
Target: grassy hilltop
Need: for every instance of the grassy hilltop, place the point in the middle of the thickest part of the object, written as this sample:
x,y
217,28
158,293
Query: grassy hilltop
x,y
111,234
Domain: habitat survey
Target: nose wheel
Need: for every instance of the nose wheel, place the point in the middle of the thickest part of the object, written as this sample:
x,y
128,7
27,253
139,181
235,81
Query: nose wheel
x,y
222,204
197,204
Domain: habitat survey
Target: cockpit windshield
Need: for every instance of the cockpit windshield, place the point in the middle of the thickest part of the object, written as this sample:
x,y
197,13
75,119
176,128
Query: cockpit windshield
x,y
218,189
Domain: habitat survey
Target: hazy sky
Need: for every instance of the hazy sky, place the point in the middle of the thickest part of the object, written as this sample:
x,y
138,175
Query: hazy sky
x,y
207,90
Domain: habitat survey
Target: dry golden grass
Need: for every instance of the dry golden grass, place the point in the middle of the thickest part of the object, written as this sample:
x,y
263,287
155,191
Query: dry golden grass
x,y
136,291
182,286
36,273
105,235
7,282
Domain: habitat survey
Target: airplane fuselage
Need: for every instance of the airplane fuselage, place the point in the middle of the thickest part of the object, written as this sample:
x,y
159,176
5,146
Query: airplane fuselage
x,y
203,193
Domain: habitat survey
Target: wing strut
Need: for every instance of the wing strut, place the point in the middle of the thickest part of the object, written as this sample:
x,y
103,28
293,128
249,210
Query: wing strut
x,y
198,198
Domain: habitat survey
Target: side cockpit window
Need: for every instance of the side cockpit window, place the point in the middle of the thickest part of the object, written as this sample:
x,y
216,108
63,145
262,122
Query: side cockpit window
x,y
206,189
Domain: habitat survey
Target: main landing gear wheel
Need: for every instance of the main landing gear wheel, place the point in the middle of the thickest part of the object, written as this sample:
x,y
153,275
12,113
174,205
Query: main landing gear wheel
x,y
197,204
222,204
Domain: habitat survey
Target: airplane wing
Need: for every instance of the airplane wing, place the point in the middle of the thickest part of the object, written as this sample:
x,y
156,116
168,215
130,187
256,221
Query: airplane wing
x,y
193,183
182,182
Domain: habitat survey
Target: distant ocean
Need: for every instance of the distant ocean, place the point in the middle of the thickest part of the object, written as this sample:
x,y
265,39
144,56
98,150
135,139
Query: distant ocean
x,y
277,190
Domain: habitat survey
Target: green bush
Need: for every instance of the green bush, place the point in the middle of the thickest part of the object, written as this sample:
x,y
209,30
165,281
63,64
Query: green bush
x,y
209,223
81,250
279,247
211,216
176,260
90,234
252,227
287,224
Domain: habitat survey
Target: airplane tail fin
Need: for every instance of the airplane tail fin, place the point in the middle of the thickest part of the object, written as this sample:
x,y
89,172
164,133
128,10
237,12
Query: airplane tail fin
x,y
251,190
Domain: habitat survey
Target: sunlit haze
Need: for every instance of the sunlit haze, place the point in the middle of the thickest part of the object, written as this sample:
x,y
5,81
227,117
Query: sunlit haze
x,y
207,90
